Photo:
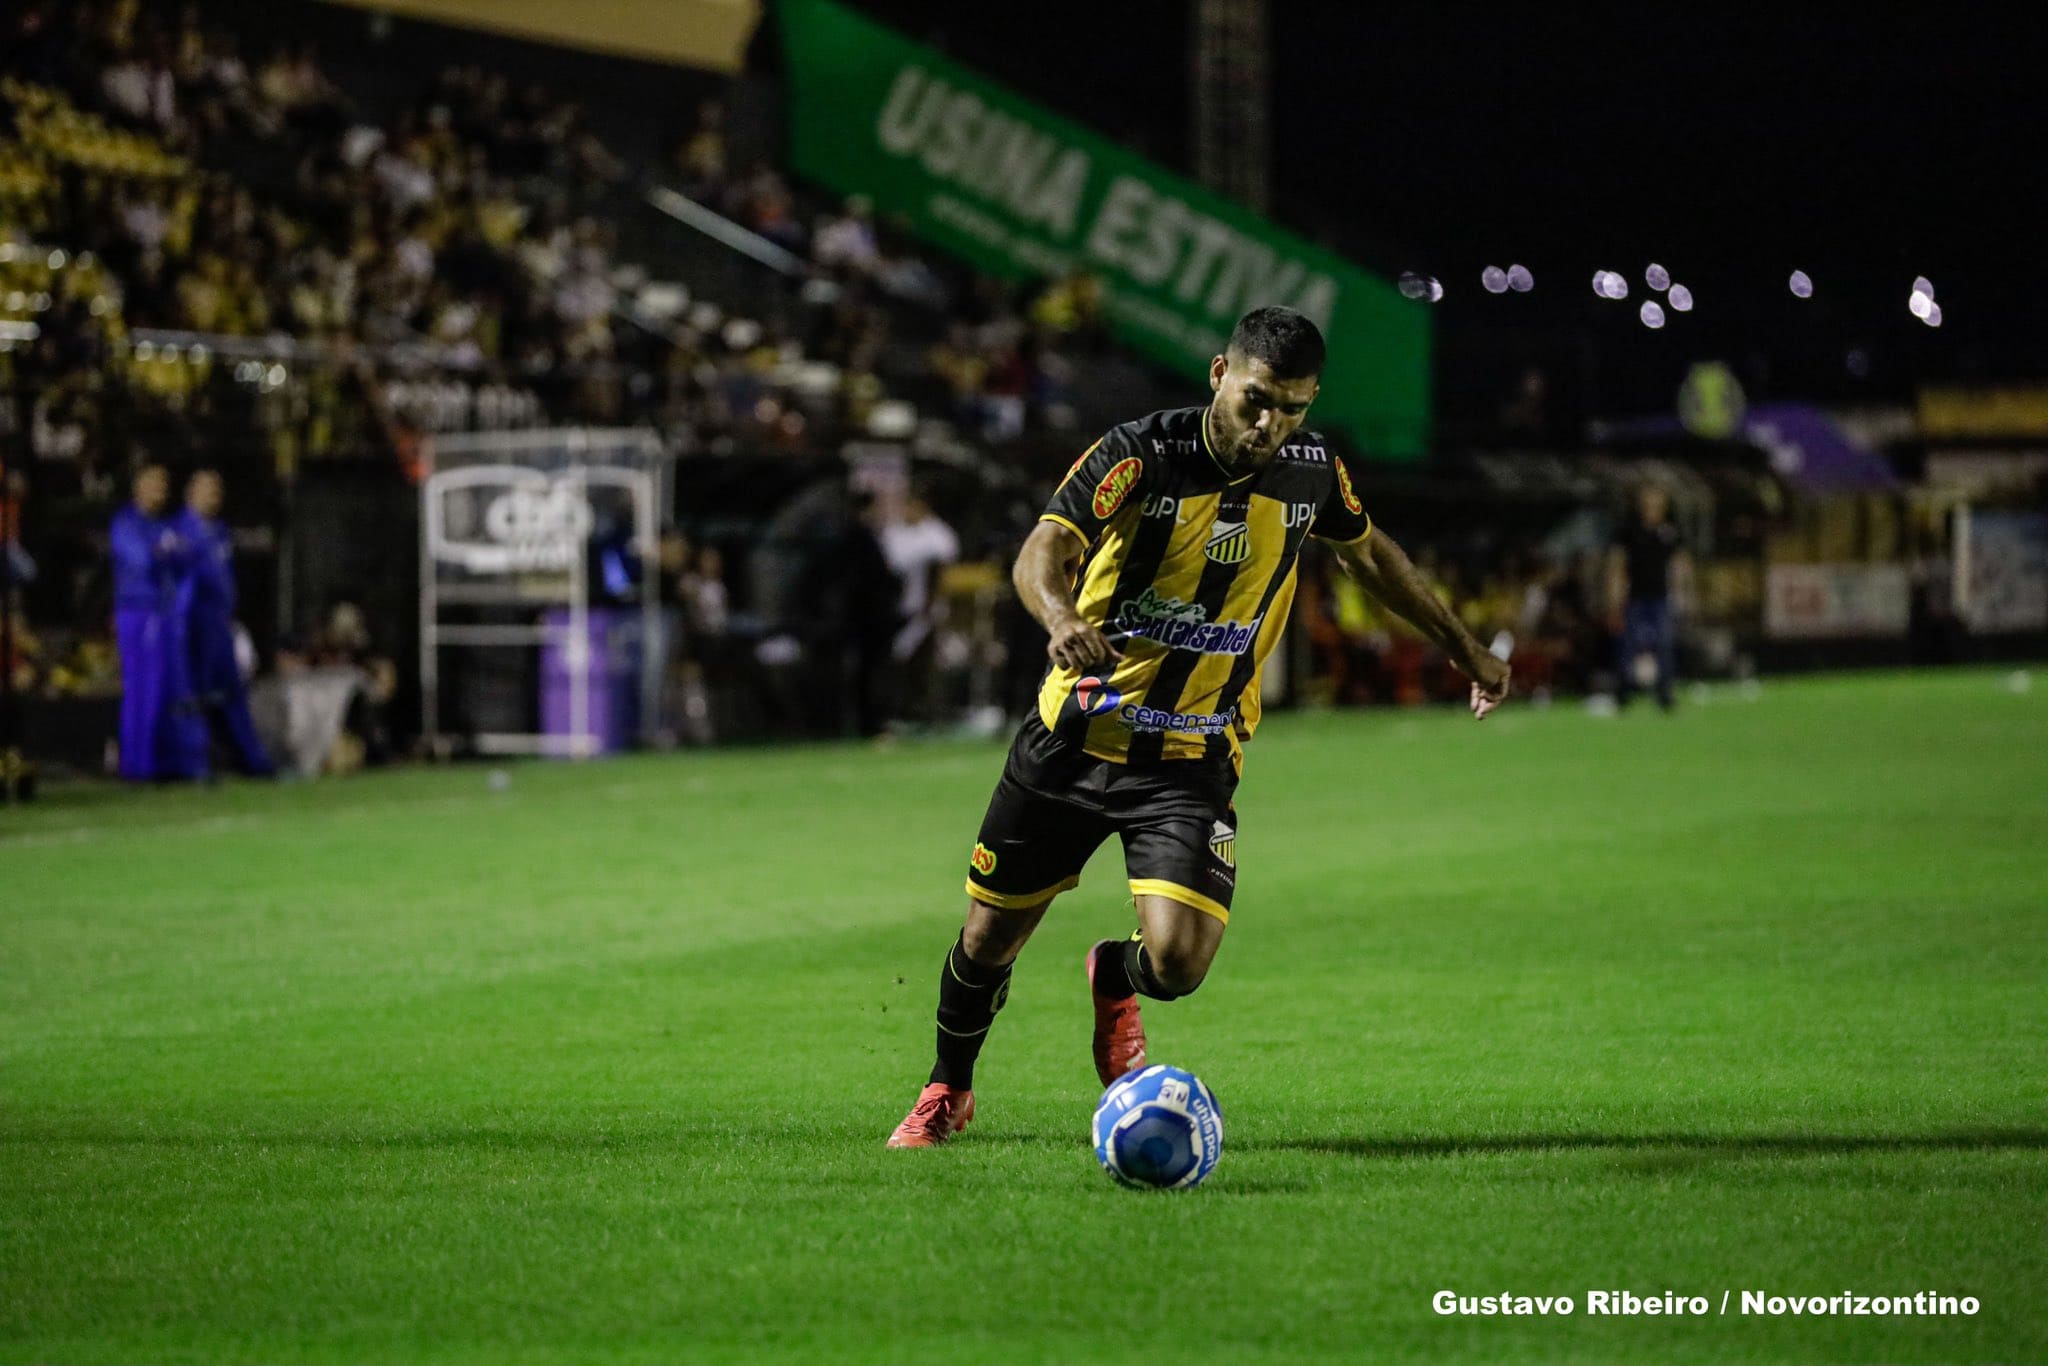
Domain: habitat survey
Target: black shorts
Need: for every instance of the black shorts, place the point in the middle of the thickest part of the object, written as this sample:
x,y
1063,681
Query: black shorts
x,y
1055,804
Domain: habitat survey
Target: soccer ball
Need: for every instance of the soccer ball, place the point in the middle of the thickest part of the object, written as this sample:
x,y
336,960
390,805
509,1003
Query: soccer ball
x,y
1159,1127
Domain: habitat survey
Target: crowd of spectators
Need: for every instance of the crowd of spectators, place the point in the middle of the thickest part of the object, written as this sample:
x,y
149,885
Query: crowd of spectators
x,y
1003,358
461,230
447,262
1552,608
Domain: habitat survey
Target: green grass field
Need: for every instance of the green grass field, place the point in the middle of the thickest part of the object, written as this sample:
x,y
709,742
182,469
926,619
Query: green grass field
x,y
598,1067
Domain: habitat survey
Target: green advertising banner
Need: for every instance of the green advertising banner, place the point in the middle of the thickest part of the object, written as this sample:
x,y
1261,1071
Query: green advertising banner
x,y
1020,192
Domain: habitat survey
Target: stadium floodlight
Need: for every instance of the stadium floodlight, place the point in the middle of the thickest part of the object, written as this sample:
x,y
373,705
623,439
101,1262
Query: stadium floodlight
x,y
1656,277
1520,279
1801,285
1422,287
1652,313
1494,280
1681,298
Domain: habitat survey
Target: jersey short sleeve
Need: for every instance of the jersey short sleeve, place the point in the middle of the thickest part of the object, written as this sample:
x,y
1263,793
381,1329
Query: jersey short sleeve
x,y
1107,478
1341,517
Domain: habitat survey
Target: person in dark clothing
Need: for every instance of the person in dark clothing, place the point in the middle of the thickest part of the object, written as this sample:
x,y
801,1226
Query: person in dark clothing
x,y
1645,565
871,593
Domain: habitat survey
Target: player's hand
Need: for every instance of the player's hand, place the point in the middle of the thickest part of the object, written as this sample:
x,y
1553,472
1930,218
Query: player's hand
x,y
1489,684
1076,644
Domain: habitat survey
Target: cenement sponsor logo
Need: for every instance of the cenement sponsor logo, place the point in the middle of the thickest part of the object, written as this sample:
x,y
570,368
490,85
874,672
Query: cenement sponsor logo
x,y
1153,719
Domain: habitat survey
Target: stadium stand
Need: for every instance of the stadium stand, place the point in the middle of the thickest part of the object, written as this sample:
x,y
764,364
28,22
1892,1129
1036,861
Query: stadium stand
x,y
273,240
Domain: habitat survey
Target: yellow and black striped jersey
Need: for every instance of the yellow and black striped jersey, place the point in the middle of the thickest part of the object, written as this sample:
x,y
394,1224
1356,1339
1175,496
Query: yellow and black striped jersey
x,y
1191,573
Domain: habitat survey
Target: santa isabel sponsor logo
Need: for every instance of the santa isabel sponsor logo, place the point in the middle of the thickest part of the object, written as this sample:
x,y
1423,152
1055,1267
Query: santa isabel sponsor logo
x,y
1116,486
1184,625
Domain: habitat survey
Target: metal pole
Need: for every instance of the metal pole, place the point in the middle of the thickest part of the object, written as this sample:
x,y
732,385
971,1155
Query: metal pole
x,y
10,734
12,769
646,543
578,654
430,613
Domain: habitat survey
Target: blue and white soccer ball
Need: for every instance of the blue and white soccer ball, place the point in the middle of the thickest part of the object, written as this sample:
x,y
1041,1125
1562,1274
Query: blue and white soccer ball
x,y
1158,1127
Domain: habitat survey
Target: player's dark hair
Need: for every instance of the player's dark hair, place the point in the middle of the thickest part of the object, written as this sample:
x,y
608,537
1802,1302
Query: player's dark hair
x,y
1283,338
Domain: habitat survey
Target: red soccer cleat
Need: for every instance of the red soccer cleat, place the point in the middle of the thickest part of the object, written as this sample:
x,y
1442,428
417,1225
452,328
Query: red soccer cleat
x,y
1119,1033
940,1113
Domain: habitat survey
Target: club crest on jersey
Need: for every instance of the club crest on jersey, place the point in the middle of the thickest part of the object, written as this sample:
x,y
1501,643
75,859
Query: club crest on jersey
x,y
1344,487
1229,543
983,858
1116,486
1094,697
1223,844
1075,468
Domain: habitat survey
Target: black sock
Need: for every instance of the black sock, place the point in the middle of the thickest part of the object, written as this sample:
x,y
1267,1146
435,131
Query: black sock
x,y
1112,979
1138,967
970,994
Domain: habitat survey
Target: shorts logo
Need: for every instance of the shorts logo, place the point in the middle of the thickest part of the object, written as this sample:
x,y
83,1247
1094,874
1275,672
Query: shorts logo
x,y
1094,697
1116,486
1223,844
1344,487
1229,543
983,858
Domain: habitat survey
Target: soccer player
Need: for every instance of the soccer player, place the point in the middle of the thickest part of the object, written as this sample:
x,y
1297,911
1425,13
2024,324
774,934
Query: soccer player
x,y
207,597
1162,570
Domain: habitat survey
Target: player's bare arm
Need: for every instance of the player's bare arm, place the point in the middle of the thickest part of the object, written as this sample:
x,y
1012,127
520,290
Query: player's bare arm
x,y
1044,578
1386,572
